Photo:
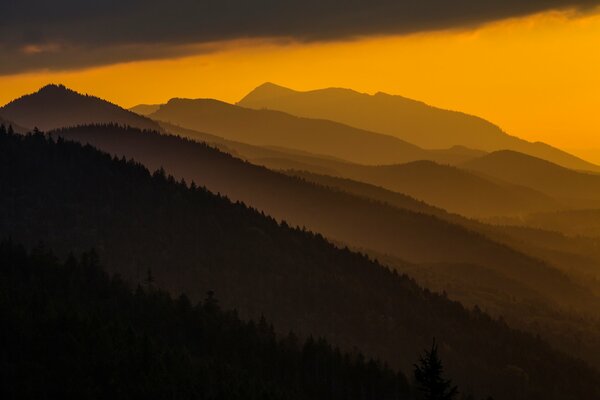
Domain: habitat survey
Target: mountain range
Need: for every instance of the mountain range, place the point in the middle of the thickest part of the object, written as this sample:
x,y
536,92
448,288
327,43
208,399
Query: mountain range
x,y
454,189
193,241
410,120
411,212
274,128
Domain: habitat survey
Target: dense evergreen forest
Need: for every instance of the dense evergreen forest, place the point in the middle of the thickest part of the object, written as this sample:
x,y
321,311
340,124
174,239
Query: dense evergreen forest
x,y
468,265
74,198
356,221
71,331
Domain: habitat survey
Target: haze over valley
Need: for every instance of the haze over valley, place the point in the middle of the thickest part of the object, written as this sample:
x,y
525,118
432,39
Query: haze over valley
x,y
175,223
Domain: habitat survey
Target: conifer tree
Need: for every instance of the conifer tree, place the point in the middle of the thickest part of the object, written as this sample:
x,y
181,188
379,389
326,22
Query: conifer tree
x,y
429,377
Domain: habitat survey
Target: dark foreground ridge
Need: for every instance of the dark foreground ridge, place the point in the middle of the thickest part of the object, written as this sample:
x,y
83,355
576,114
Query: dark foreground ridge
x,y
74,198
71,331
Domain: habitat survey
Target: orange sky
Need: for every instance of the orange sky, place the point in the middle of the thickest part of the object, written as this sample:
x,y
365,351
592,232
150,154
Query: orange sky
x,y
537,77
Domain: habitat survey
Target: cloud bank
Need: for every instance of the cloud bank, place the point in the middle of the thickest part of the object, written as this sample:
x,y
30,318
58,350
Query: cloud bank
x,y
66,34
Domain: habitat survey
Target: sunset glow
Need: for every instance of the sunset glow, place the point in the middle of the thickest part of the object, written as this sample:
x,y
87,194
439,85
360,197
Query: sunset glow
x,y
536,77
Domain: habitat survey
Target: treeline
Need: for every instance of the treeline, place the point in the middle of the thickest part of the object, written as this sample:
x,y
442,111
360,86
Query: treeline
x,y
74,198
71,331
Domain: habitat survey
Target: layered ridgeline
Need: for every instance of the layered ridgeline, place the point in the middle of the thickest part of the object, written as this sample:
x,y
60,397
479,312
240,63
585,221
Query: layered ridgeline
x,y
584,222
71,331
444,186
55,106
410,120
353,220
317,136
578,189
526,291
456,190
579,257
76,198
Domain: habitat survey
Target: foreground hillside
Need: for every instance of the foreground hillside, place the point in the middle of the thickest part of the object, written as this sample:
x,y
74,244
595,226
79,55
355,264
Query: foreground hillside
x,y
410,120
75,198
70,331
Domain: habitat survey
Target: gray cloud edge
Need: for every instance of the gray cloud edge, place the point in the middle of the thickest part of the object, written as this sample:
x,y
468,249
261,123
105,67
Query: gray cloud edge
x,y
72,34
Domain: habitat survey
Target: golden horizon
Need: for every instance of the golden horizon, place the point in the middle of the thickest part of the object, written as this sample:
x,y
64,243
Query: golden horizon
x,y
535,77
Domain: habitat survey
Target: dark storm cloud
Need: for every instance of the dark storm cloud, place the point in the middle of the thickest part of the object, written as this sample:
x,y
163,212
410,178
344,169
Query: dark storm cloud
x,y
64,34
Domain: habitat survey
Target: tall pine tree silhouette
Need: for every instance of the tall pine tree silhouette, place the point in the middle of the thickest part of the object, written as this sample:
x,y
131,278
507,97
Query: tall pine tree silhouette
x,y
429,377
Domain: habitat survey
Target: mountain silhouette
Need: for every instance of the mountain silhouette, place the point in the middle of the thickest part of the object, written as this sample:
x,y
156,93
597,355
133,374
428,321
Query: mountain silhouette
x,y
410,120
274,128
444,186
55,106
579,189
194,241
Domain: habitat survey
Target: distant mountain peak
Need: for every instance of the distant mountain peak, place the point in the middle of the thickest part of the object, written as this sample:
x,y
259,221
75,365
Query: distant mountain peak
x,y
272,86
267,91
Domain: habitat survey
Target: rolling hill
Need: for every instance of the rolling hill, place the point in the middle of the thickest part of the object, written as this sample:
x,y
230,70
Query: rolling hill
x,y
485,287
75,198
410,120
444,186
274,128
579,189
55,106
453,189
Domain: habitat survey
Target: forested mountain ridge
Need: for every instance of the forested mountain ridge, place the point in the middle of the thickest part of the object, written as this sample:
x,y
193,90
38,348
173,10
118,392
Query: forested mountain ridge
x,y
55,106
456,190
69,330
339,216
75,198
500,279
413,121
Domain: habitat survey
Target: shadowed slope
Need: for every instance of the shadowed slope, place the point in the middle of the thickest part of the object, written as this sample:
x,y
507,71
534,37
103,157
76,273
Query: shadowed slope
x,y
577,188
414,121
353,220
76,197
444,186
102,340
494,291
